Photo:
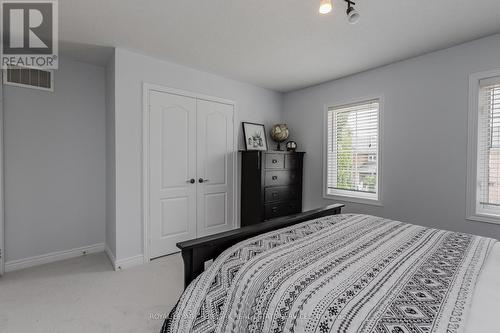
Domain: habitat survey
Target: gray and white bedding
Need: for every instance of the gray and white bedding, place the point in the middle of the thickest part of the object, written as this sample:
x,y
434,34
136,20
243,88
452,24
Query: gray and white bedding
x,y
341,273
483,315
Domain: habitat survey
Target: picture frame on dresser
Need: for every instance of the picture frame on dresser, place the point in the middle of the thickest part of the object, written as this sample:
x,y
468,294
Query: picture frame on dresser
x,y
254,136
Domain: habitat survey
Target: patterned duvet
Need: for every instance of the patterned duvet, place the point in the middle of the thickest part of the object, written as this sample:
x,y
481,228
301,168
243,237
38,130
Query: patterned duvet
x,y
341,273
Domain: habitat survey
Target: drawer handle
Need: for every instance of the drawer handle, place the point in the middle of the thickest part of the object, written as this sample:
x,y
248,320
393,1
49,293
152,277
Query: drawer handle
x,y
275,194
274,209
275,161
275,177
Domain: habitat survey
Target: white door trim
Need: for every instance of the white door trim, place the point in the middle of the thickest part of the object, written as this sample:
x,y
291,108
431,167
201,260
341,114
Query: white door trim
x,y
146,88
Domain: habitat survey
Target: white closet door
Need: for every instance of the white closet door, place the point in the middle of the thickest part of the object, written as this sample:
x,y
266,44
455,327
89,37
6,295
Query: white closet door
x,y
215,162
172,197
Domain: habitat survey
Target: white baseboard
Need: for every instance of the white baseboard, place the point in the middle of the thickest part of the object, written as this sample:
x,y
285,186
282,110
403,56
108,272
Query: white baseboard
x,y
129,262
15,265
110,255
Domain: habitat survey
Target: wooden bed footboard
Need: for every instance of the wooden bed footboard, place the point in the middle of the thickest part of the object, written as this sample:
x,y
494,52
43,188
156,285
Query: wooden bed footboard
x,y
197,252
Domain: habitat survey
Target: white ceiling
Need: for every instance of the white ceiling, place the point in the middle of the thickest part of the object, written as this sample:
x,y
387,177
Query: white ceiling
x,y
277,44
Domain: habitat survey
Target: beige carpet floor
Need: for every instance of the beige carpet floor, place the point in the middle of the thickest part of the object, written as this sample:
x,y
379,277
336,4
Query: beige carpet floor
x,y
85,295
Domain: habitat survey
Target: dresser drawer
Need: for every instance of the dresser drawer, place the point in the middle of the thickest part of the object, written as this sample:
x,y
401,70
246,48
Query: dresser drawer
x,y
275,161
282,193
291,161
279,178
281,209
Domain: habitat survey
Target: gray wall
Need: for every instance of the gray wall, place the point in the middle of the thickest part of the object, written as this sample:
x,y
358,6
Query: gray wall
x,y
2,242
55,163
131,69
110,158
425,134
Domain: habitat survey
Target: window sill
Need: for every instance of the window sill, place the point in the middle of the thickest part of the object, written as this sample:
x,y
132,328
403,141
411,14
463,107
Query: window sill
x,y
364,201
483,218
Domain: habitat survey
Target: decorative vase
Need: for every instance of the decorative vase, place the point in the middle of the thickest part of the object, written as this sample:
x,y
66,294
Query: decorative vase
x,y
291,146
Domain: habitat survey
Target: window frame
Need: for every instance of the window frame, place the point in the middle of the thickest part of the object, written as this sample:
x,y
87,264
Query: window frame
x,y
345,195
471,213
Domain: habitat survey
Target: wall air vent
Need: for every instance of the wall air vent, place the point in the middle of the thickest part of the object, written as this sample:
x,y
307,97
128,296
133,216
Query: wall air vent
x,y
29,78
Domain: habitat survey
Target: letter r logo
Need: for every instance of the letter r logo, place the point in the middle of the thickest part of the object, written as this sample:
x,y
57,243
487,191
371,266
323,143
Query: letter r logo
x,y
27,27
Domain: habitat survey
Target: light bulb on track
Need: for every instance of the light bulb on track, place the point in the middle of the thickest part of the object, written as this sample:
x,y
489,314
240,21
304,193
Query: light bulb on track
x,y
325,6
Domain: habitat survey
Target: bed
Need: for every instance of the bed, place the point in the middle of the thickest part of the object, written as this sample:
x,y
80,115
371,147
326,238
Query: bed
x,y
323,271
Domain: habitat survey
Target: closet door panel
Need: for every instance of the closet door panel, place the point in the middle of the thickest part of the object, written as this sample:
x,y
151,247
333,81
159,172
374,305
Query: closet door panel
x,y
215,167
172,164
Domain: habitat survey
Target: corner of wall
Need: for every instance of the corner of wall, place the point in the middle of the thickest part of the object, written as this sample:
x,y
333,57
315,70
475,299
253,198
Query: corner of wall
x,y
110,160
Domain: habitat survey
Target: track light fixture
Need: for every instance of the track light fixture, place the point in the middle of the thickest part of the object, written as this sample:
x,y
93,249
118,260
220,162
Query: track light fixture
x,y
352,13
325,7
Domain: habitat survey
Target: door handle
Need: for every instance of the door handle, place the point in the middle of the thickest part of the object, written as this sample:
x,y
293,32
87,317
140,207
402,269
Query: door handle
x,y
192,181
201,180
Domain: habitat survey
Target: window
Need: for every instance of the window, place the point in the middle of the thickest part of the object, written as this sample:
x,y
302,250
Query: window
x,y
352,152
484,152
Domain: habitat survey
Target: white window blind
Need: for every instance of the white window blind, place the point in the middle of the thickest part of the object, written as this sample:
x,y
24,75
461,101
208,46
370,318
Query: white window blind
x,y
353,150
488,148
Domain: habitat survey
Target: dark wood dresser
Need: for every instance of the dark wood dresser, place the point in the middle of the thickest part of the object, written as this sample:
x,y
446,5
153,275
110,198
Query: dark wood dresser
x,y
271,185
